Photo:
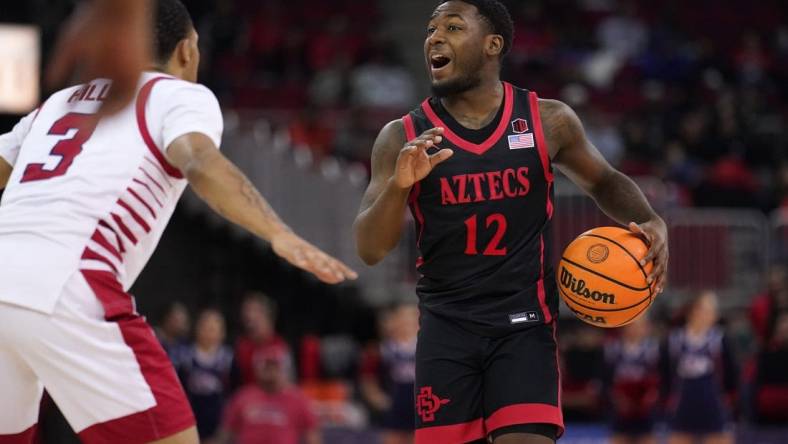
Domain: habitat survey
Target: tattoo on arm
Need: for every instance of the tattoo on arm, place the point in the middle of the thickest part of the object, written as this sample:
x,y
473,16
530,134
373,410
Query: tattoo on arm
x,y
559,123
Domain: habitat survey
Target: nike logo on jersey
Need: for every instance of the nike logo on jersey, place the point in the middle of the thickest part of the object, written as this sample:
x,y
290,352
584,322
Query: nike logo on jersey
x,y
480,187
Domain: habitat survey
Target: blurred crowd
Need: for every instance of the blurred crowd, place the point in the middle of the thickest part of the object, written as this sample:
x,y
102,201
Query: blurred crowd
x,y
692,372
692,92
262,390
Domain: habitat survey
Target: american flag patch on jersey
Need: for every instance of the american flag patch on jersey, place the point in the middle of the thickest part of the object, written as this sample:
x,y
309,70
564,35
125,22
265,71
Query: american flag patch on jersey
x,y
519,141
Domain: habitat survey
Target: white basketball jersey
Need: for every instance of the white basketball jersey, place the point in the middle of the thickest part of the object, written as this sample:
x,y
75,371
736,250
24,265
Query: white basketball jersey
x,y
93,197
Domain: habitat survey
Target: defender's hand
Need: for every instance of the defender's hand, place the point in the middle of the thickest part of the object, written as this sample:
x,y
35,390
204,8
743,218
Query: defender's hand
x,y
108,39
655,233
413,163
307,257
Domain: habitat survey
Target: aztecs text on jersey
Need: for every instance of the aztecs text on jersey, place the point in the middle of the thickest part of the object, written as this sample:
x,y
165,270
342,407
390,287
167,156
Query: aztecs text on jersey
x,y
483,219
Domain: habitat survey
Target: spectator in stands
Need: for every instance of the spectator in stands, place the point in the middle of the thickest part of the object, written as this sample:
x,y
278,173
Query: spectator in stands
x,y
632,383
389,372
766,306
206,372
258,317
699,376
270,411
173,330
771,391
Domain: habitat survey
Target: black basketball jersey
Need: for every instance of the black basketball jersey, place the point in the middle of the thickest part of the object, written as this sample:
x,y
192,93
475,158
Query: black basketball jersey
x,y
483,220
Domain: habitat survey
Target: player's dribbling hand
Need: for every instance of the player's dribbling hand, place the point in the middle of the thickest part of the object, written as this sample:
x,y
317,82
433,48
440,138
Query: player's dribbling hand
x,y
655,233
306,256
414,163
108,39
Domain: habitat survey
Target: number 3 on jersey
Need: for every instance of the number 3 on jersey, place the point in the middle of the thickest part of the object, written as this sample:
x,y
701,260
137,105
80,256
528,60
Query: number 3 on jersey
x,y
67,149
493,248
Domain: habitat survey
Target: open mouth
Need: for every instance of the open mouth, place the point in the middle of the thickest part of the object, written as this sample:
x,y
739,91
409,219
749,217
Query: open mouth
x,y
438,61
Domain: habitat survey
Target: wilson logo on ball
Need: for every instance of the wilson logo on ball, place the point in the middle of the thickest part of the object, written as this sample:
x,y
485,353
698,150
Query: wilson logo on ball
x,y
578,287
597,253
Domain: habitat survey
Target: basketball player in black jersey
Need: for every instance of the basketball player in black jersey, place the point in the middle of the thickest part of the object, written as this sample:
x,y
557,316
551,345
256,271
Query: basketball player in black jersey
x,y
475,165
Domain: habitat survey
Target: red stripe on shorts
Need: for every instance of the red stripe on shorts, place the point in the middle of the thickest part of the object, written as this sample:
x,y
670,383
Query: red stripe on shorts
x,y
172,413
25,437
516,414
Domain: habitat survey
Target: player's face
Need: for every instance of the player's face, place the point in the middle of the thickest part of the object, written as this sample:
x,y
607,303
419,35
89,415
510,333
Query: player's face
x,y
454,48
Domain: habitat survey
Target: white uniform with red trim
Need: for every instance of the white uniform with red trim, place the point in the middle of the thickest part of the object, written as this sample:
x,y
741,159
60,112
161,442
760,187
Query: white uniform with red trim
x,y
108,208
82,213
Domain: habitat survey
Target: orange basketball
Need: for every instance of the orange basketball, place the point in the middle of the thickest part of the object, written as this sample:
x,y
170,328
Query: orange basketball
x,y
600,278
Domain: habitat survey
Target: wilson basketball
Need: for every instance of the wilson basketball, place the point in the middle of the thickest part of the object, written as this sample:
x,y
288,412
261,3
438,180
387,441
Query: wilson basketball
x,y
600,278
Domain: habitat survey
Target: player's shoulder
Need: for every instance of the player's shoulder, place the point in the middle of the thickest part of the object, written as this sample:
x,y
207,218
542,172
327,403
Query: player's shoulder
x,y
167,86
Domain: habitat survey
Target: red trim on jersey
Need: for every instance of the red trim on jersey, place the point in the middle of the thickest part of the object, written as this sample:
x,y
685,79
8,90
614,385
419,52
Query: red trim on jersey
x,y
137,218
89,254
101,240
110,294
147,187
172,413
410,134
540,292
410,129
516,414
25,437
549,201
124,228
541,144
463,432
558,369
106,225
503,125
142,100
414,201
142,201
155,182
159,170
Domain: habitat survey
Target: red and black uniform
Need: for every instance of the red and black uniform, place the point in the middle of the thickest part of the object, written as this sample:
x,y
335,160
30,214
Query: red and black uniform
x,y
486,358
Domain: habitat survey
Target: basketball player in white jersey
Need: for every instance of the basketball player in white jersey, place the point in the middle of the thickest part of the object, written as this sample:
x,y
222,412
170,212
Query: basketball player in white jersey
x,y
85,203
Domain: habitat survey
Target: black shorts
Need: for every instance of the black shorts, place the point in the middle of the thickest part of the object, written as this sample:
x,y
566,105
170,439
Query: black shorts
x,y
468,386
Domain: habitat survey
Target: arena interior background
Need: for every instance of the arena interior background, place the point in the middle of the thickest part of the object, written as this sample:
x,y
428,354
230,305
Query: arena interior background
x,y
689,98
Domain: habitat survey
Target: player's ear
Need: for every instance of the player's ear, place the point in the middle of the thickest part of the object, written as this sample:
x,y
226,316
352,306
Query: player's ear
x,y
183,52
494,44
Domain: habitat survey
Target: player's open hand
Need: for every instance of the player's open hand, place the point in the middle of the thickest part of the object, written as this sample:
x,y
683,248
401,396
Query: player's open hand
x,y
307,257
414,163
655,233
104,39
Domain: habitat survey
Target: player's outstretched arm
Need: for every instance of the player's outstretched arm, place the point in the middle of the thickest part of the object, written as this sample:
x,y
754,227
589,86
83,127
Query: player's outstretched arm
x,y
230,193
105,38
616,194
397,165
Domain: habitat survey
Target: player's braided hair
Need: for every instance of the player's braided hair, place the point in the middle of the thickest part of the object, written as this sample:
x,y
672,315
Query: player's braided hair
x,y
497,17
172,22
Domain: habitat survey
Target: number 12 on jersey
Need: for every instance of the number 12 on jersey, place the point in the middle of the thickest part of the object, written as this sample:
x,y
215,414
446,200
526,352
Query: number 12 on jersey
x,y
493,248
